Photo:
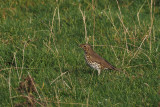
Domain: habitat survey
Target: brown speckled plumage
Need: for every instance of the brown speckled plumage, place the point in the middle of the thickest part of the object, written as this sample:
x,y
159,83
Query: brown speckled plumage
x,y
96,61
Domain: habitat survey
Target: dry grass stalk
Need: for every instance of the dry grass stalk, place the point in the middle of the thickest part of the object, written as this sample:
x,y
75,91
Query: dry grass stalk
x,y
31,79
139,13
114,52
58,77
111,20
71,103
151,26
52,35
31,101
14,54
59,20
125,31
22,60
138,48
84,21
9,83
57,97
93,7
51,28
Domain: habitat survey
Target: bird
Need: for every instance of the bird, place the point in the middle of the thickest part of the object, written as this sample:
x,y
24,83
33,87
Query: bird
x,y
95,61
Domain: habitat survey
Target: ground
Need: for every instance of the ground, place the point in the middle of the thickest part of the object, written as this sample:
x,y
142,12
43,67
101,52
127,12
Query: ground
x,y
41,62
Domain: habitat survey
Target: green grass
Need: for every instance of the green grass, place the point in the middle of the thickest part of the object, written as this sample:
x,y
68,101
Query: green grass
x,y
41,38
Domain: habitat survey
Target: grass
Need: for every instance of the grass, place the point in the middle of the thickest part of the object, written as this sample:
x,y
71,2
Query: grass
x,y
41,39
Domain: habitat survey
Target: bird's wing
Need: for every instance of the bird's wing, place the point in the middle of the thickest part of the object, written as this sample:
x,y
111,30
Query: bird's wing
x,y
103,62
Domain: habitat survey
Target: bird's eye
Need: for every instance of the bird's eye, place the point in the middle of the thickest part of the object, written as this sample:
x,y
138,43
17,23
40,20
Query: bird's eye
x,y
84,46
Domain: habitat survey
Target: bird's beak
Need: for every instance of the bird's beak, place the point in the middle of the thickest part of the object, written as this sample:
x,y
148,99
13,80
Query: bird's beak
x,y
81,45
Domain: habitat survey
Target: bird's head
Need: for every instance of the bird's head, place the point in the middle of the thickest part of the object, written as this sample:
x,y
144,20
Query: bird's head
x,y
86,47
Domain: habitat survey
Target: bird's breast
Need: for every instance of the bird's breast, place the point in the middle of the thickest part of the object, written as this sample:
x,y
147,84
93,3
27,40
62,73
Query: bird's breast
x,y
92,63
87,57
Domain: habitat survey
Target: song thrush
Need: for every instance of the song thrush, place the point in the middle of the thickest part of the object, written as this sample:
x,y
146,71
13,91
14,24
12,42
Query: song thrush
x,y
94,60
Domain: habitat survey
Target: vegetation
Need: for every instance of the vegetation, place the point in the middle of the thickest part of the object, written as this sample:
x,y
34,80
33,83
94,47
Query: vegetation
x,y
42,64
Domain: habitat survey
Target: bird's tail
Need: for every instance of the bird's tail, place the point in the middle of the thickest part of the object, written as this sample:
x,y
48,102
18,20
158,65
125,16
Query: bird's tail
x,y
116,69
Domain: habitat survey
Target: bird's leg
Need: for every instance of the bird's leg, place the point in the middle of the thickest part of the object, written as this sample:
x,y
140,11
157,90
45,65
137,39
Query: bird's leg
x,y
99,71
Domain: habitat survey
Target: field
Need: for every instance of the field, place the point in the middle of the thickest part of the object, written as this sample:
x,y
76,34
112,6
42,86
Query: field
x,y
41,63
